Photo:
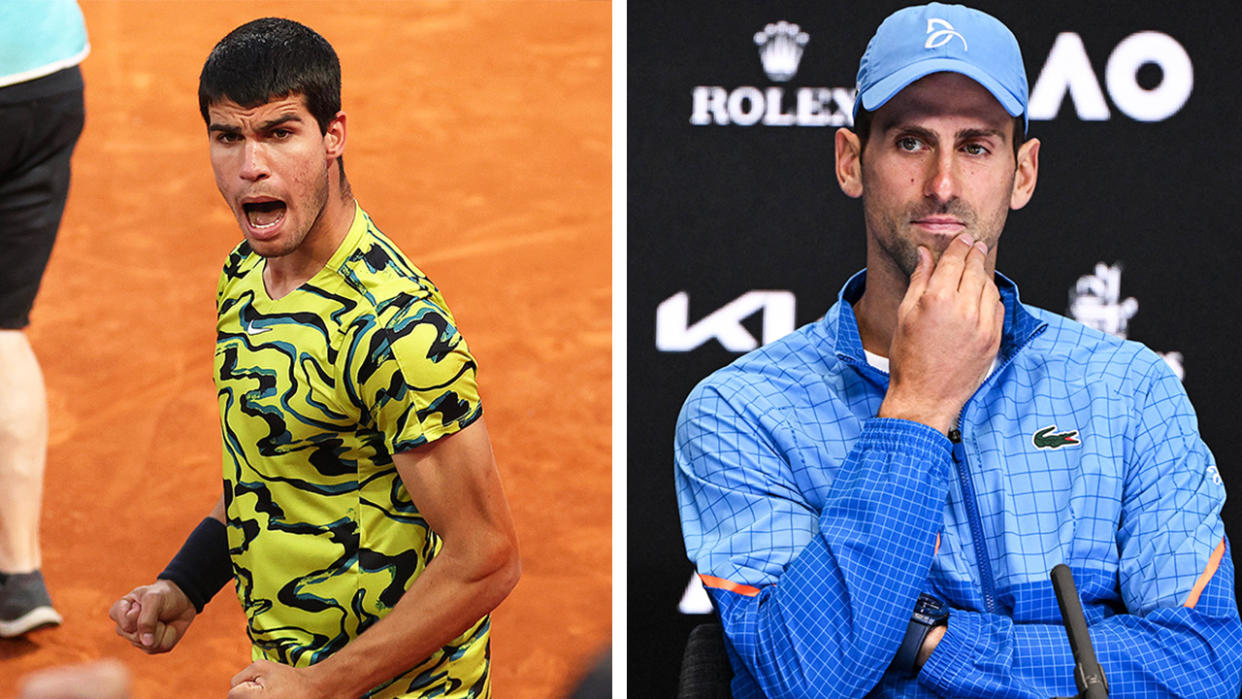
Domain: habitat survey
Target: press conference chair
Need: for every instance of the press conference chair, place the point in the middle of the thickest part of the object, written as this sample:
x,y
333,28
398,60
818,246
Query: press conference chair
x,y
705,669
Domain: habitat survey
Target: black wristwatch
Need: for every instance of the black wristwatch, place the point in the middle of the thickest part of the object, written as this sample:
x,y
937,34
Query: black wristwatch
x,y
929,613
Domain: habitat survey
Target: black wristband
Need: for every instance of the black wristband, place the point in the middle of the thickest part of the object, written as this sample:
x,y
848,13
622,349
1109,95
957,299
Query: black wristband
x,y
202,566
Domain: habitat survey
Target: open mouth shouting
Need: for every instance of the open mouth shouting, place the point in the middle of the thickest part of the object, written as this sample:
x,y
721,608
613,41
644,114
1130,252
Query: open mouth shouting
x,y
263,216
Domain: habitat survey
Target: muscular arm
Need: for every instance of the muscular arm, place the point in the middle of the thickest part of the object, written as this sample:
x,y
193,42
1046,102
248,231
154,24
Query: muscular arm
x,y
455,484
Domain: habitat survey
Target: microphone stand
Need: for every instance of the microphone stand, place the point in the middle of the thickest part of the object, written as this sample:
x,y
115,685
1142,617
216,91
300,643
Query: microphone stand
x,y
1088,675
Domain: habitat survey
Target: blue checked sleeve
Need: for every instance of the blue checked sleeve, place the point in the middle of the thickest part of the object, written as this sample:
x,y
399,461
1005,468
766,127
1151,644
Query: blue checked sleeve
x,y
1179,634
1170,652
814,602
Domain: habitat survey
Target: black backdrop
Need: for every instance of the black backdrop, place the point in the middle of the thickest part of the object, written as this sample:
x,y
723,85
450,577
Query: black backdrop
x,y
720,211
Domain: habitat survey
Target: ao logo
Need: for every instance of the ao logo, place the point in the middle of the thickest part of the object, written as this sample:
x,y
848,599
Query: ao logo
x,y
1068,70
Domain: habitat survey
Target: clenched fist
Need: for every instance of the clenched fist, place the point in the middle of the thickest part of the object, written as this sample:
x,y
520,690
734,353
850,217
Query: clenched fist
x,y
153,617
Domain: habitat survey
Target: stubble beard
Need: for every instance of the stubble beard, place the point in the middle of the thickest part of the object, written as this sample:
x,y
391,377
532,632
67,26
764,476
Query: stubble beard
x,y
900,247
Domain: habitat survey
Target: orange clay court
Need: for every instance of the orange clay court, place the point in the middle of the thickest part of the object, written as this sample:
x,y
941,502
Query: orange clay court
x,y
480,141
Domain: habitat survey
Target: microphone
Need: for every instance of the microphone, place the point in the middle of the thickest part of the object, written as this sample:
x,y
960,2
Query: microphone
x,y
1088,675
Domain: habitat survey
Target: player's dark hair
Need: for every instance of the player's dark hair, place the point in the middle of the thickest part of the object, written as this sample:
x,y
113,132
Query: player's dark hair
x,y
269,59
862,129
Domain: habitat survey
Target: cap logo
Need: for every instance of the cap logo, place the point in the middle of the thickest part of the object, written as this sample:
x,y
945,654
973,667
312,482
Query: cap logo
x,y
939,37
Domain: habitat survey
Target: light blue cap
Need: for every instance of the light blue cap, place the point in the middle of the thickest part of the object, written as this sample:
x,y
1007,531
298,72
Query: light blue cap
x,y
917,41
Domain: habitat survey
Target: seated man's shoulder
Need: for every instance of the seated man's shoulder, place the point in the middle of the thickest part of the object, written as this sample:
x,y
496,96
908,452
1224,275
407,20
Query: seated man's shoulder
x,y
1094,354
782,373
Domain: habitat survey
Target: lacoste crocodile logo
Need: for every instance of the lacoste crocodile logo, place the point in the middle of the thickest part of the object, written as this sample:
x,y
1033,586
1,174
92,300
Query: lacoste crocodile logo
x,y
1048,439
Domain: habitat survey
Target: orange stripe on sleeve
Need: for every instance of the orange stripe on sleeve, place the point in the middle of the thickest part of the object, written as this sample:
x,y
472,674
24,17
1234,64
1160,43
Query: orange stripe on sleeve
x,y
1212,564
729,585
937,545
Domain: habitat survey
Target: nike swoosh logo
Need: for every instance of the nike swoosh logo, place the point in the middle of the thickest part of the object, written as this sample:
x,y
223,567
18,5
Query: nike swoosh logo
x,y
252,330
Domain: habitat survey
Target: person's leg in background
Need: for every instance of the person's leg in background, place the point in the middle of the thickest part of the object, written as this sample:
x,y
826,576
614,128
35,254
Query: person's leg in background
x,y
24,602
40,134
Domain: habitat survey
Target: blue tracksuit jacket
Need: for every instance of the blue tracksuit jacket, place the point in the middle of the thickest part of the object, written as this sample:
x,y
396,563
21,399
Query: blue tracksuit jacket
x,y
815,524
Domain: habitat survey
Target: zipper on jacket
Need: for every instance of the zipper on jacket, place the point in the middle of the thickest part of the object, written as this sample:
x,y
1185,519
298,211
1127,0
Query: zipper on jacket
x,y
972,515
986,578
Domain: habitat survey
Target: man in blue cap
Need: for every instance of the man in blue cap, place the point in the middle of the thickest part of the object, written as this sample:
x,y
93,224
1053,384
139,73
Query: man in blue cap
x,y
874,502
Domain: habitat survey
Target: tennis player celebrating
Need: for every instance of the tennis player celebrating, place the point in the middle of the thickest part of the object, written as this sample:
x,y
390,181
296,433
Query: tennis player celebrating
x,y
362,518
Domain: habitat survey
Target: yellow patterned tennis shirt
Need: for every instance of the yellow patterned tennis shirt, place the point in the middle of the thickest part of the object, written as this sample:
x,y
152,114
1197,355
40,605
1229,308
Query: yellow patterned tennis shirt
x,y
317,390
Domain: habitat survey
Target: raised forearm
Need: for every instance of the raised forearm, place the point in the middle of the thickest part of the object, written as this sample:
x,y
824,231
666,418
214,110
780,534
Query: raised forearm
x,y
453,593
